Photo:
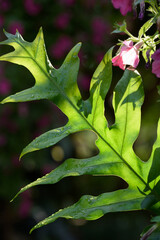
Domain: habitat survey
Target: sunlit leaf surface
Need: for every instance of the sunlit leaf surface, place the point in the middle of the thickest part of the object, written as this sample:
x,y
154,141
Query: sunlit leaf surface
x,y
116,155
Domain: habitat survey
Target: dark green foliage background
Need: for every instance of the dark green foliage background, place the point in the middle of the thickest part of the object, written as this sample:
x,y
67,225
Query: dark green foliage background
x,y
47,199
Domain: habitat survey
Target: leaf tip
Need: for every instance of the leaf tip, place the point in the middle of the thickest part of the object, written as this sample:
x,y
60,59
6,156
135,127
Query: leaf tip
x,y
3,101
35,227
40,34
5,32
22,154
41,29
7,100
14,197
76,48
31,231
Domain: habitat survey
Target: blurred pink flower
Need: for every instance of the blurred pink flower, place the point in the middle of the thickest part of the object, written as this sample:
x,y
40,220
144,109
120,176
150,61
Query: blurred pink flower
x,y
90,3
5,86
16,25
47,168
1,21
31,7
84,82
129,55
3,140
23,109
6,123
99,56
36,134
1,71
81,56
24,208
67,2
3,121
15,161
12,126
156,63
5,5
7,111
62,20
43,122
125,6
25,205
63,44
99,28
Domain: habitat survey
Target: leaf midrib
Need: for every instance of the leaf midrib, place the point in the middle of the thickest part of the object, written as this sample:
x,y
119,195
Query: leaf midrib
x,y
17,57
114,203
65,96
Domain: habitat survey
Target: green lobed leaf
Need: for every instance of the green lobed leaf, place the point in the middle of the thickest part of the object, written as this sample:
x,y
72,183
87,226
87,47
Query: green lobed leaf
x,y
116,155
109,161
92,208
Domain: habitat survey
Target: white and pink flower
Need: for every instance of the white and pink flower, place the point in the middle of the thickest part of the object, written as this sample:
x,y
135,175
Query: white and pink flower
x,y
128,55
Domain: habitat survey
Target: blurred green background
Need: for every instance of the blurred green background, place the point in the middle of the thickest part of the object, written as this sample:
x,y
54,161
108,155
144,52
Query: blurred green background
x,y
64,22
